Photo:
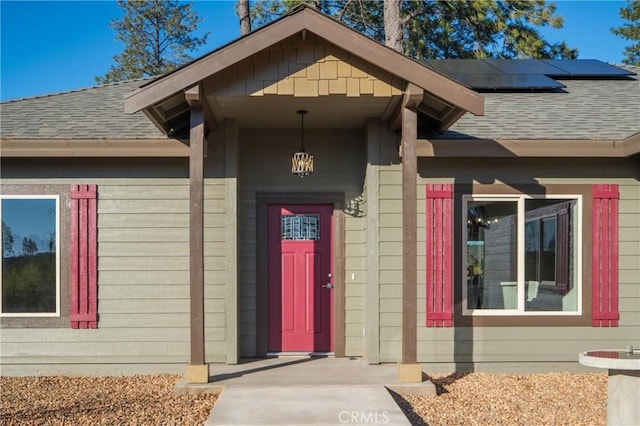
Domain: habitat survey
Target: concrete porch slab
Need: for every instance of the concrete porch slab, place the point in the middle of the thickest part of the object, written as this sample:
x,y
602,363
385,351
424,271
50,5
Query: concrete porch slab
x,y
304,391
306,405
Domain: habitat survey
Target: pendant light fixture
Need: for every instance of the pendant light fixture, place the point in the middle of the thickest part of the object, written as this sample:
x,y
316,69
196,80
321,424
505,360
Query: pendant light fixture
x,y
301,161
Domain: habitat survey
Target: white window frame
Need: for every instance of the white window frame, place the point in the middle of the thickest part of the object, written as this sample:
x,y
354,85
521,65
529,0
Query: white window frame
x,y
520,258
57,221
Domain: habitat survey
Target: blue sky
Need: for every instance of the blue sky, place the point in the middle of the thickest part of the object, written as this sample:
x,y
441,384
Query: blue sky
x,y
53,46
31,218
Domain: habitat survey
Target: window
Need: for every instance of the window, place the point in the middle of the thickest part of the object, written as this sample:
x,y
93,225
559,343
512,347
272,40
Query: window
x,y
522,255
300,227
30,270
48,276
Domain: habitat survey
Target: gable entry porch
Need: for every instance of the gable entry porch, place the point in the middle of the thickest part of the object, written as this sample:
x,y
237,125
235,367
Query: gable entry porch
x,y
260,266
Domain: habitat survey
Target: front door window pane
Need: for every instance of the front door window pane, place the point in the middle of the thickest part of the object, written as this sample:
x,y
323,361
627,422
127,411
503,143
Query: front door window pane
x,y
29,259
300,227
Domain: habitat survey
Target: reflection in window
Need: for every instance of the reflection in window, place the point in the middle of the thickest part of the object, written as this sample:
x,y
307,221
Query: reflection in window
x,y
300,227
549,257
537,273
29,255
491,269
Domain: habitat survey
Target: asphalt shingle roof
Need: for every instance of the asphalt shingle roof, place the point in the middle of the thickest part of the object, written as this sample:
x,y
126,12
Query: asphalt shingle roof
x,y
92,113
586,109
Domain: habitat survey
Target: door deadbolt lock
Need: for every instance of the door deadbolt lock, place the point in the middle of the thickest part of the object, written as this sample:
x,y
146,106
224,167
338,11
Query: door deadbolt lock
x,y
328,285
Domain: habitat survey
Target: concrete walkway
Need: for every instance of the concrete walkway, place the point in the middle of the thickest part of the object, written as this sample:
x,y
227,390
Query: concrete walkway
x,y
308,391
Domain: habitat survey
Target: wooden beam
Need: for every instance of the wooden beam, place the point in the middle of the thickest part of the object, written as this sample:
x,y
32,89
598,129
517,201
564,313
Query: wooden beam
x,y
449,118
195,98
93,148
413,96
196,231
175,111
528,147
409,242
154,116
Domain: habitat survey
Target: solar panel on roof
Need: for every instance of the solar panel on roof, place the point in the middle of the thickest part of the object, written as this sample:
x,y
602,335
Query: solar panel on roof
x,y
507,81
522,74
524,66
586,68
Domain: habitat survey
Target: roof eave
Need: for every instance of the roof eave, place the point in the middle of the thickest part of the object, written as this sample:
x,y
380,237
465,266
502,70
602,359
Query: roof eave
x,y
529,148
159,147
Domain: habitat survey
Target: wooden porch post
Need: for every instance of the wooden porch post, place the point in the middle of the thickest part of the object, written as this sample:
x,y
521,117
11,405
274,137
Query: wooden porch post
x,y
197,370
408,369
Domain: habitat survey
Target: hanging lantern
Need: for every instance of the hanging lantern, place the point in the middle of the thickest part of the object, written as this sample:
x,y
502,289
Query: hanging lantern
x,y
301,161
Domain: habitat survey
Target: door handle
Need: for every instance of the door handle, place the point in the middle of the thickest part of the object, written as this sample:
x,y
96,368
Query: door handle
x,y
327,285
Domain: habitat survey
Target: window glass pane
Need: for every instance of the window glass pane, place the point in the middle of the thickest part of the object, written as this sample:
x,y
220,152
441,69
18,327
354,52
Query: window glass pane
x,y
29,266
549,257
491,254
300,227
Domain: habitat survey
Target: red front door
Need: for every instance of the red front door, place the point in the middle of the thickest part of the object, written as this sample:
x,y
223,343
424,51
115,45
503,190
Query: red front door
x,y
300,302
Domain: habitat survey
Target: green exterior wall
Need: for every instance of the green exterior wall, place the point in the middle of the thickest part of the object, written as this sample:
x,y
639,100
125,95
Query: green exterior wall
x,y
143,249
143,273
534,349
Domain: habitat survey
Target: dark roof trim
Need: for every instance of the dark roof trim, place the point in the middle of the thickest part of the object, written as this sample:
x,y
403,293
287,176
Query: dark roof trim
x,y
486,148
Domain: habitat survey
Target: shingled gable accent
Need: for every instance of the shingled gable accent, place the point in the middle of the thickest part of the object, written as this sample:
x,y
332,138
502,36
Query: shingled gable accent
x,y
327,28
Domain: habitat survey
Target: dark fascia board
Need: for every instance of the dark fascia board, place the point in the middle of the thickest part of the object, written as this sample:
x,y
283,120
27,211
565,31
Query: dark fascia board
x,y
571,148
323,26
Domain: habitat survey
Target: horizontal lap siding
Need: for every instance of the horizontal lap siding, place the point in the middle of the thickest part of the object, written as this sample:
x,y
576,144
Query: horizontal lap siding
x,y
528,348
143,283
215,253
266,167
390,246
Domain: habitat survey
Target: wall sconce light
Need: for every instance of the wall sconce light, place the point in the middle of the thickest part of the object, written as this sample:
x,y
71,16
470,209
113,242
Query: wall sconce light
x,y
301,161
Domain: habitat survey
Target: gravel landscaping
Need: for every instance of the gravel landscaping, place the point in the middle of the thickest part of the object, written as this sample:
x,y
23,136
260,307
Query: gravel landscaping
x,y
511,399
134,400
463,399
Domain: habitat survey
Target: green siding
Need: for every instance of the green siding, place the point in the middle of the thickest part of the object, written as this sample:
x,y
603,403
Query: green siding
x,y
534,348
143,287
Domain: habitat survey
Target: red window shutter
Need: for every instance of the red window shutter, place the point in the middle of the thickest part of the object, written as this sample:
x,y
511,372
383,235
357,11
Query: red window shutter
x,y
439,255
84,257
604,269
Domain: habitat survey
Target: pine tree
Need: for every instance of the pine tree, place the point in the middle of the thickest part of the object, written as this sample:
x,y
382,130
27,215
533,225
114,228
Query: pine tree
x,y
243,12
7,240
157,37
29,247
442,28
630,31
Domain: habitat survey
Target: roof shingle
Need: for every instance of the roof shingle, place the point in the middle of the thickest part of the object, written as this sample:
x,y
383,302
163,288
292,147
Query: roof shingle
x,y
585,109
92,113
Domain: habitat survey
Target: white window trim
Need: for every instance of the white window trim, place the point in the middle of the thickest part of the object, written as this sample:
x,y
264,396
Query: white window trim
x,y
37,314
520,198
